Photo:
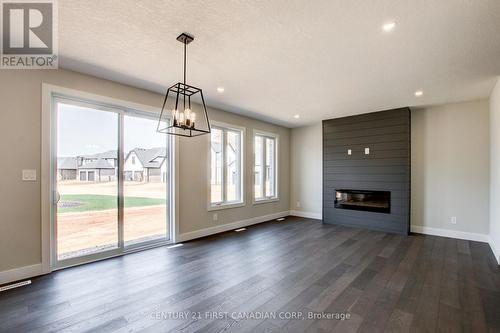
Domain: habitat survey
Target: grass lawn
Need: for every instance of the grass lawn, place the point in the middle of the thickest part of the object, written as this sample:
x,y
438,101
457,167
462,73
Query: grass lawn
x,y
91,202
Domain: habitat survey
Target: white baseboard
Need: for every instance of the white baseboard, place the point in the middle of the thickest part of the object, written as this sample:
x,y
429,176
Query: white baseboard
x,y
230,226
20,273
309,215
450,233
495,249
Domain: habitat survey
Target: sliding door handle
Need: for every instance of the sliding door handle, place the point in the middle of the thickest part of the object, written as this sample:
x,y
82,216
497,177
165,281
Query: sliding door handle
x,y
57,197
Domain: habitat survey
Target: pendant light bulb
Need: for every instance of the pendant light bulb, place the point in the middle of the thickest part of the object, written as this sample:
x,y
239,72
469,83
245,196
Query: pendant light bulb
x,y
193,119
175,116
187,113
187,117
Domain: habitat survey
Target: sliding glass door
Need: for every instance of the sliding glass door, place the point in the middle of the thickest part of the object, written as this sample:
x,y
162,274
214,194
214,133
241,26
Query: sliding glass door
x,y
145,181
87,182
111,179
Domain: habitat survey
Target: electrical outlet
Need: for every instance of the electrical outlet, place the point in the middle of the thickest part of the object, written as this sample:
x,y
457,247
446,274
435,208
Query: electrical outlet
x,y
349,151
298,204
367,151
215,216
453,220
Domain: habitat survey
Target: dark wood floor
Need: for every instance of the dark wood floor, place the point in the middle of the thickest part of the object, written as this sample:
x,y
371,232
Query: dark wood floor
x,y
383,282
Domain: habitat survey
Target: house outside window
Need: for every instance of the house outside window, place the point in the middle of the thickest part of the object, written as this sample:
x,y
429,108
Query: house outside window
x,y
265,167
226,166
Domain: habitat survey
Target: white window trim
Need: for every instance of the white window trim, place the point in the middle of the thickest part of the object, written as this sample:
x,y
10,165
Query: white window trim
x,y
228,205
276,197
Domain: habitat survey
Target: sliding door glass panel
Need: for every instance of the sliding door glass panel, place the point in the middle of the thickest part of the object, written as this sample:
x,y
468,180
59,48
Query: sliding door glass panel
x,y
87,186
259,174
216,172
233,165
270,167
145,175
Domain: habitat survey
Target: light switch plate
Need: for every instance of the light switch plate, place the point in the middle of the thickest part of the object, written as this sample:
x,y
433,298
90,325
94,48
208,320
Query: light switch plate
x,y
367,151
29,175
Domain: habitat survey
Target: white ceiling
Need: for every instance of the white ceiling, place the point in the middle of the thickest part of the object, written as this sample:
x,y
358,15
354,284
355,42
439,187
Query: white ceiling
x,y
320,59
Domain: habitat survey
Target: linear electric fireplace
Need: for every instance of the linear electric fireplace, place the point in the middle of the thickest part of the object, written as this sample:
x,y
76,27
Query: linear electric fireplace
x,y
371,201
371,151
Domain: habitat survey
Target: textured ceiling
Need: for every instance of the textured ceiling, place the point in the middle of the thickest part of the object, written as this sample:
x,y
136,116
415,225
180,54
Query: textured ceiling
x,y
320,59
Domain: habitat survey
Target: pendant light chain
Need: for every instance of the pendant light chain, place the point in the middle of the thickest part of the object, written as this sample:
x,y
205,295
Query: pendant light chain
x,y
185,60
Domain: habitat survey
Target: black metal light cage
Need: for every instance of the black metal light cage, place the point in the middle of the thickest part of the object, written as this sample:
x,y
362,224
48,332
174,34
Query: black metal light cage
x,y
184,95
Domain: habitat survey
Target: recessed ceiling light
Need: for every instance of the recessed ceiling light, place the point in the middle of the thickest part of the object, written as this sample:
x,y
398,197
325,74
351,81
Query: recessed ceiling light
x,y
419,93
296,116
389,26
220,89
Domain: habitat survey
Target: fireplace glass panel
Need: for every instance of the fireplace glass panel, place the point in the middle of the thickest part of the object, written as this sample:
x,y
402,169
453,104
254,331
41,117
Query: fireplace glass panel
x,y
364,200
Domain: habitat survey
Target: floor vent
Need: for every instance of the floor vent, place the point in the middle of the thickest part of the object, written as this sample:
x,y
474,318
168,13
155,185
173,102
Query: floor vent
x,y
240,229
15,285
174,246
280,219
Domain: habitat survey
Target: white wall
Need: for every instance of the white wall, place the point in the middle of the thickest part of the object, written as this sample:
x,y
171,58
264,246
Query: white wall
x,y
450,170
20,137
495,171
306,157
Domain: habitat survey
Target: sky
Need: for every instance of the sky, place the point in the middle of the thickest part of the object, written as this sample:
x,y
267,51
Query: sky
x,y
85,131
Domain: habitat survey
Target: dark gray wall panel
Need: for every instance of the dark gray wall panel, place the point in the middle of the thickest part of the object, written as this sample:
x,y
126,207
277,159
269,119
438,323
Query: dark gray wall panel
x,y
366,132
369,125
387,168
378,146
381,154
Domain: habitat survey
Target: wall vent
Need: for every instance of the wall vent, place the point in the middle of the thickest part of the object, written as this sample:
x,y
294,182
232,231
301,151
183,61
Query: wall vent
x,y
15,285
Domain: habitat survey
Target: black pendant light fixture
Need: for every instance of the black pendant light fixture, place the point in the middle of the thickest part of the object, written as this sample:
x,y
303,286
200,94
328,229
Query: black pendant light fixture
x,y
184,112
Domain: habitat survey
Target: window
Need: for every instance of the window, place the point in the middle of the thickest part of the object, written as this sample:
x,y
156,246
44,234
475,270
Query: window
x,y
226,166
265,167
133,160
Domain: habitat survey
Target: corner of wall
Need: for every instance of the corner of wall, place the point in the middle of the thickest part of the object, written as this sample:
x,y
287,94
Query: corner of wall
x,y
494,119
495,249
306,153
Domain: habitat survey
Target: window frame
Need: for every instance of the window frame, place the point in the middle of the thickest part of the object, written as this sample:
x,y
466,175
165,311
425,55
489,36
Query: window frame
x,y
224,204
274,136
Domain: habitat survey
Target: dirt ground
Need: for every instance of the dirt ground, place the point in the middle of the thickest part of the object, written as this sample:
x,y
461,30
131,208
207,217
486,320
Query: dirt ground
x,y
89,231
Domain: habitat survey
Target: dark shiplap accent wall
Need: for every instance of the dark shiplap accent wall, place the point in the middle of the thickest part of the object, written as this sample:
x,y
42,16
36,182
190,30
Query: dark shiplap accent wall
x,y
387,168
